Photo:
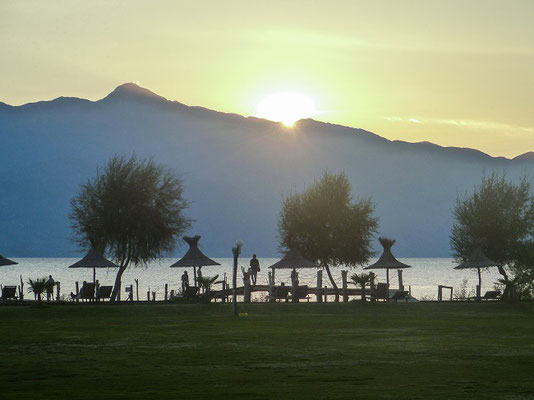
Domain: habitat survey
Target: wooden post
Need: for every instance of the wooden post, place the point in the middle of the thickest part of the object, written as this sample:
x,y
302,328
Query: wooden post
x,y
21,290
270,276
372,286
325,294
401,284
148,295
319,286
137,288
58,289
345,293
440,290
294,285
77,291
236,250
166,290
479,286
246,286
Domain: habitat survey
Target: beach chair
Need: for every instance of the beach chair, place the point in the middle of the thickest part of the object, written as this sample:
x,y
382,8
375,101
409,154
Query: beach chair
x,y
9,293
301,292
381,292
492,295
104,292
280,293
87,292
190,293
400,295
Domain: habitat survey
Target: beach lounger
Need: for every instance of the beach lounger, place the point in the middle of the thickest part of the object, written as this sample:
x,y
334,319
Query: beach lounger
x,y
280,293
104,292
9,293
381,292
492,295
302,292
87,292
400,295
489,295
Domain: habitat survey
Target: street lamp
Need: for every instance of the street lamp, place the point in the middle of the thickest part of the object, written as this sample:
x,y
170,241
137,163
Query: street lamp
x,y
236,250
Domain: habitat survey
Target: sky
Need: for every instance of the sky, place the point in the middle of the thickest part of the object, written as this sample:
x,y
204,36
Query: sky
x,y
456,73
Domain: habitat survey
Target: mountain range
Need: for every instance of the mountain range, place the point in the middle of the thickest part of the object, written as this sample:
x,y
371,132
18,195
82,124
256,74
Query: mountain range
x,y
236,171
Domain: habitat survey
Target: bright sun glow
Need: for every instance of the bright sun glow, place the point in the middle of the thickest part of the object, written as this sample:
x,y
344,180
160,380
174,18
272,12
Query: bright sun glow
x,y
286,107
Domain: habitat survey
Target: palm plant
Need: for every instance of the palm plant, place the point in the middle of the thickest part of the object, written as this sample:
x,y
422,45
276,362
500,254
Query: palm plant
x,y
362,280
206,282
37,287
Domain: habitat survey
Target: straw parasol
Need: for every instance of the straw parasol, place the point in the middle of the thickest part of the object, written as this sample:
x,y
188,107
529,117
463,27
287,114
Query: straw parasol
x,y
94,259
387,260
4,261
293,260
193,257
478,260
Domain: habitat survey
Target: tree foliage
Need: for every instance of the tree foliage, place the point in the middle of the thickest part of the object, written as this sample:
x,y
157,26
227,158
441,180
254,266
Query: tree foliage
x,y
133,210
38,287
326,225
499,213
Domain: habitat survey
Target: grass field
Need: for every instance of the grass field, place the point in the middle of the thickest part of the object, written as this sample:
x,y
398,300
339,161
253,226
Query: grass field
x,y
279,351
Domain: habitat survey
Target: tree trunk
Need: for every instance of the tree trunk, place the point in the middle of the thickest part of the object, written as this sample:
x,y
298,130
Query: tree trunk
x,y
363,292
506,295
327,268
115,294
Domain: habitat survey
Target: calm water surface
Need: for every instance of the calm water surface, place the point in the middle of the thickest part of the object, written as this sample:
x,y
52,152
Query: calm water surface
x,y
424,277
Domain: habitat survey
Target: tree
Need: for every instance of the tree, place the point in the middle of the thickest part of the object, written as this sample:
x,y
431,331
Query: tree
x,y
361,280
132,210
37,287
207,282
327,226
500,214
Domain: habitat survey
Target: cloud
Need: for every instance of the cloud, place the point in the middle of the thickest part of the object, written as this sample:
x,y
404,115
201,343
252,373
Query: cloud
x,y
476,125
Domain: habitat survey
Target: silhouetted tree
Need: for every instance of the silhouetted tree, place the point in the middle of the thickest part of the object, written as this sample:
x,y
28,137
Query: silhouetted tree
x,y
362,280
37,287
501,214
132,210
327,226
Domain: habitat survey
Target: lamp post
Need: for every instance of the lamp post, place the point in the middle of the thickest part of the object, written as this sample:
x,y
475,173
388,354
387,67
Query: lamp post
x,y
236,250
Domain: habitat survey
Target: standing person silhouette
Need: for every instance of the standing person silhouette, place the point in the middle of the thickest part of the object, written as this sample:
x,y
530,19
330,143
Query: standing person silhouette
x,y
185,281
50,288
254,268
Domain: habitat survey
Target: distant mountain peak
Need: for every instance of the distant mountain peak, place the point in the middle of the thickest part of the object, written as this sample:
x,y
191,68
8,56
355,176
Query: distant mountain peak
x,y
528,156
132,91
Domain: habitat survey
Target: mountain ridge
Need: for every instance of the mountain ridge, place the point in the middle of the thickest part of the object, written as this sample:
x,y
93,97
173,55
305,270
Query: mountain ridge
x,y
133,92
236,171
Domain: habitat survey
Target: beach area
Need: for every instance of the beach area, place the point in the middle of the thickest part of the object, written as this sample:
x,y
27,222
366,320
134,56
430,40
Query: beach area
x,y
422,279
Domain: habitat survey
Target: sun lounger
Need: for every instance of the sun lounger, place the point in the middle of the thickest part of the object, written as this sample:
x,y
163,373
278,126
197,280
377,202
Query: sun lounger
x,y
381,292
9,293
301,292
104,292
400,295
279,293
489,295
87,292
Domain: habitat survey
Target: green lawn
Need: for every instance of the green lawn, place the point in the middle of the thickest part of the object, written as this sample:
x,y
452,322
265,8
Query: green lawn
x,y
279,351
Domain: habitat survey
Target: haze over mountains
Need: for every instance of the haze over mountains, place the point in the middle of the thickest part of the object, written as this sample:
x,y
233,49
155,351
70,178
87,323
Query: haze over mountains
x,y
236,171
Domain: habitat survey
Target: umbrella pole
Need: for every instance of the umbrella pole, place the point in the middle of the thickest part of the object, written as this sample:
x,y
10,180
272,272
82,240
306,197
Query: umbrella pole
x,y
94,282
479,284
195,276
387,276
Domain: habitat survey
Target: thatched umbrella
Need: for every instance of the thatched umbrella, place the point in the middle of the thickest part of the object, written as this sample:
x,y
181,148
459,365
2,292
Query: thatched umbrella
x,y
478,260
387,261
293,260
94,259
194,257
4,261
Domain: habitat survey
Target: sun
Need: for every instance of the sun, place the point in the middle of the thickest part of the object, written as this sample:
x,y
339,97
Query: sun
x,y
286,107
